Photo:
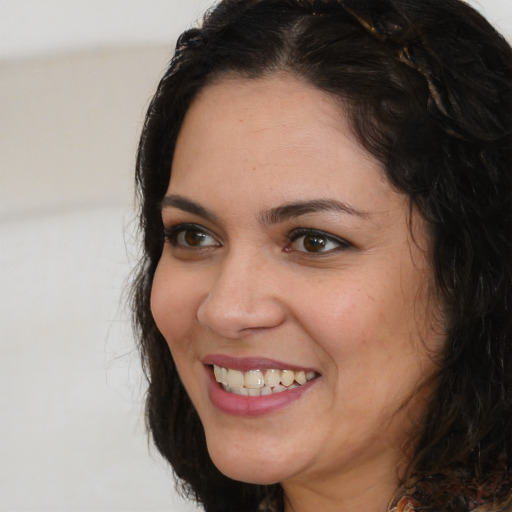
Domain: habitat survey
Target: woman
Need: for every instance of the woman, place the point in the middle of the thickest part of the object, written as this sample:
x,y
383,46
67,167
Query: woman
x,y
323,305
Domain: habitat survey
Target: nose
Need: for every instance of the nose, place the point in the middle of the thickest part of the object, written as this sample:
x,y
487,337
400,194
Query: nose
x,y
242,297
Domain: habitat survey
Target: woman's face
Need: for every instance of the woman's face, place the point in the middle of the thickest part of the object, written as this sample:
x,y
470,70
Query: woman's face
x,y
289,256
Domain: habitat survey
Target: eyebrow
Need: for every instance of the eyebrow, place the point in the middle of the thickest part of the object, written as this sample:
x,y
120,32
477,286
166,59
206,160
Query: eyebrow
x,y
182,203
296,209
271,216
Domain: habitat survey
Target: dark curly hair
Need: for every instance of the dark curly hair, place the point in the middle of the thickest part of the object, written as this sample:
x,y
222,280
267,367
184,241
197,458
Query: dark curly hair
x,y
428,89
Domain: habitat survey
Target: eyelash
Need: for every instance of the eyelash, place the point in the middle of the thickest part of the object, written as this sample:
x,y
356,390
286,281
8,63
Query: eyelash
x,y
173,233
299,233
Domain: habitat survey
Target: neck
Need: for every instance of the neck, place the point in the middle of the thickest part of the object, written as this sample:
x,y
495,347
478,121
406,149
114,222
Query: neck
x,y
371,493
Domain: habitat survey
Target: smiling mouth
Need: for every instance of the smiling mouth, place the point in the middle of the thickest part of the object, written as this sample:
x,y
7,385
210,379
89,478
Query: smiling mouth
x,y
260,382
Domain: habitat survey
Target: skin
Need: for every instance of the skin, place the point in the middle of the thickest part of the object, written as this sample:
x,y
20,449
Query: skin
x,y
361,313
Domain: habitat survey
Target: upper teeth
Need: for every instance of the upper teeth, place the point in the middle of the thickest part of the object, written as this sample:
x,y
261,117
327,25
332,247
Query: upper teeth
x,y
264,381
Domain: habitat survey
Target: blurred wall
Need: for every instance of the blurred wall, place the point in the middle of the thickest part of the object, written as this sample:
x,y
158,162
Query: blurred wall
x,y
75,79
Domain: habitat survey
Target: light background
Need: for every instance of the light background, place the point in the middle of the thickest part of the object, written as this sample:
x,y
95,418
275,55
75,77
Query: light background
x,y
75,79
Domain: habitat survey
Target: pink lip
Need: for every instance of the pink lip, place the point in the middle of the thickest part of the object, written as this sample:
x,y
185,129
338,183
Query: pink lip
x,y
249,363
238,405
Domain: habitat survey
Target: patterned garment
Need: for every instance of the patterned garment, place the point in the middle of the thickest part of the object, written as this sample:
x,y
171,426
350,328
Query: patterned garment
x,y
470,496
405,504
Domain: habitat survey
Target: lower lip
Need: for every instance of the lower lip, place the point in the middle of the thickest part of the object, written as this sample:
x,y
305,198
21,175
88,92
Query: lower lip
x,y
240,405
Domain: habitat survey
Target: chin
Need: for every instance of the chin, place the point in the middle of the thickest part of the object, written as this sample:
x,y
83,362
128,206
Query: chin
x,y
243,472
247,466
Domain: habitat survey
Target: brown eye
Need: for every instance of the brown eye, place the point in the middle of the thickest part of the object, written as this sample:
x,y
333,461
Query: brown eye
x,y
315,242
190,236
193,238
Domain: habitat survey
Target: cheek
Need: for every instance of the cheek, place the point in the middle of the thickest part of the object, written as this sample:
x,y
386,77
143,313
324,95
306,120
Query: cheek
x,y
367,327
172,305
345,317
172,299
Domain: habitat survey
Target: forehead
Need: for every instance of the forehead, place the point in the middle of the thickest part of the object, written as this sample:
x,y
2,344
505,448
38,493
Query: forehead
x,y
277,134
